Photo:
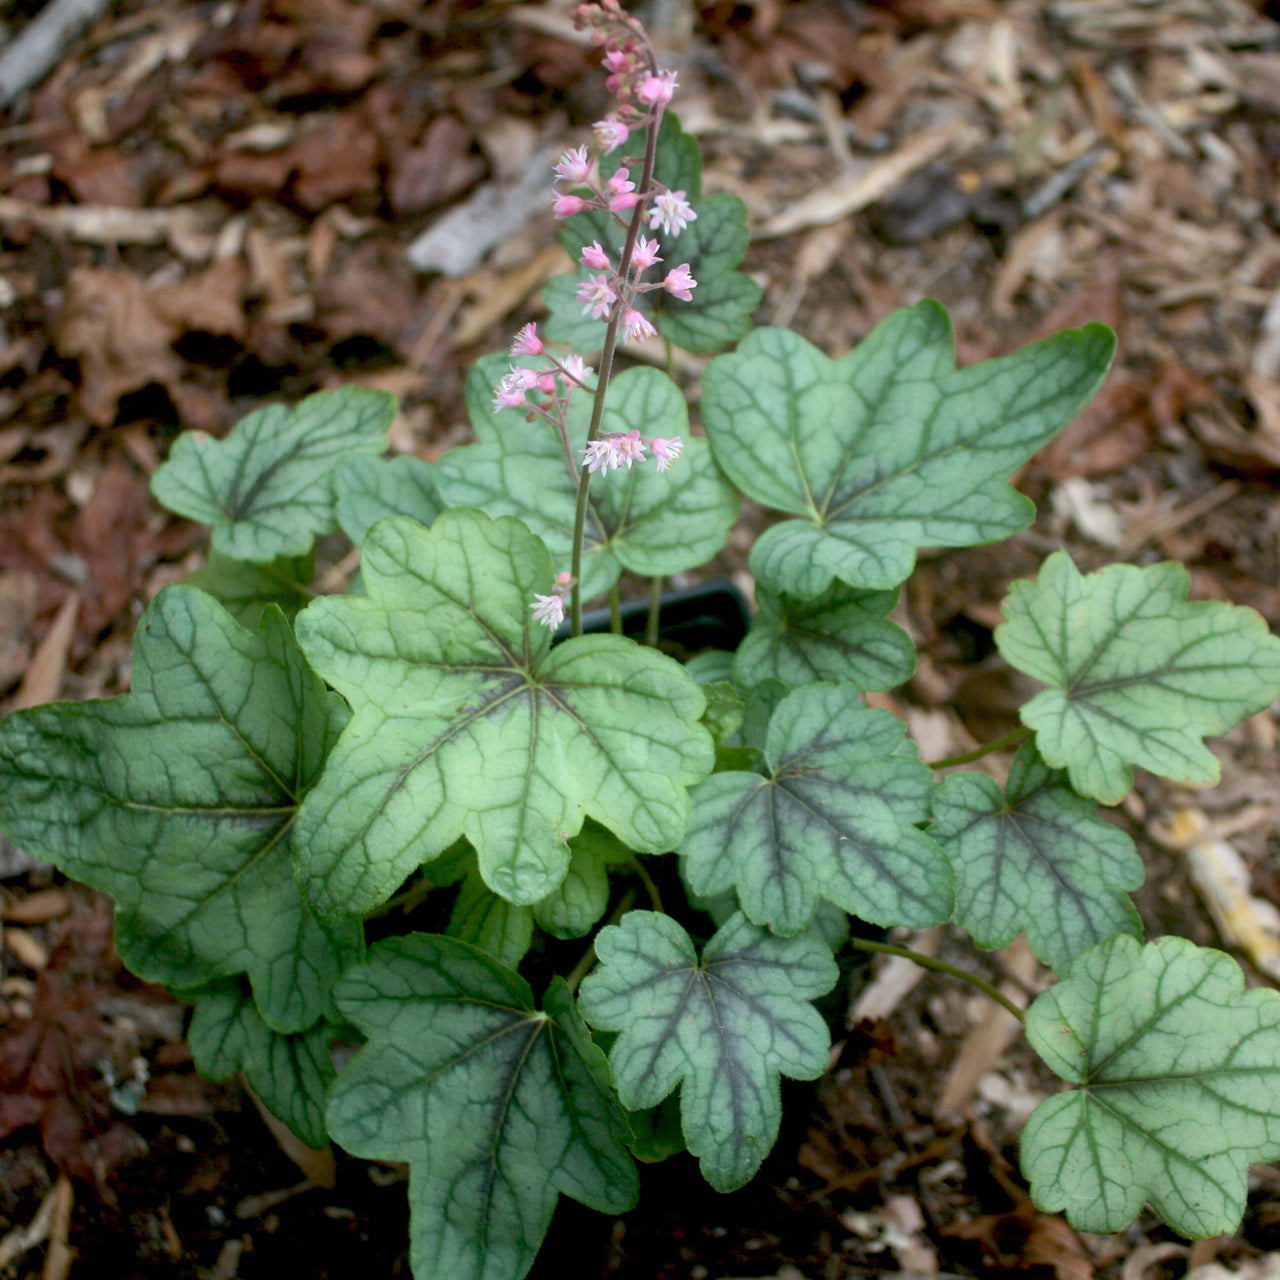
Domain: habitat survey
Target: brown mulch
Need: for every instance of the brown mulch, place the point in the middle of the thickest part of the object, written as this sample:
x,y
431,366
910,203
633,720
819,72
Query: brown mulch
x,y
208,204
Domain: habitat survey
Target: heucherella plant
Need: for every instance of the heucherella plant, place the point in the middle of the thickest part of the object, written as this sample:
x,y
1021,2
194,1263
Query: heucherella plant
x,y
428,815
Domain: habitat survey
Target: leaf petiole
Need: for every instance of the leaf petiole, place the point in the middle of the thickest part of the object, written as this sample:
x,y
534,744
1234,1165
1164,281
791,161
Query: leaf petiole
x,y
1005,742
940,966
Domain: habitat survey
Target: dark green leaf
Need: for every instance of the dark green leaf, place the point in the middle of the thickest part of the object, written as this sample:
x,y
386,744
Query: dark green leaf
x,y
832,819
179,799
497,1109
291,1074
726,1027
1036,859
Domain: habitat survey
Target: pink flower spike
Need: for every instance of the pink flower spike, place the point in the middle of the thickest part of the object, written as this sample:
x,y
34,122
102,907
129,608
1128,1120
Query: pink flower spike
x,y
672,212
635,326
628,448
597,295
527,342
665,452
645,254
548,610
657,91
574,166
679,282
567,206
610,133
594,256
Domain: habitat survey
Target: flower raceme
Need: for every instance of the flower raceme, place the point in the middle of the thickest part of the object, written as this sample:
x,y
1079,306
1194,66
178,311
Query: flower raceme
x,y
613,451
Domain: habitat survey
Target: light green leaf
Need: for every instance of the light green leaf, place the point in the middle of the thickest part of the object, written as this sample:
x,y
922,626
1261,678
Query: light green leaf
x,y
1036,858
890,448
1178,1069
291,1074
245,590
726,1027
1138,674
467,722
498,1109
368,489
832,819
267,489
178,799
653,523
841,636
712,245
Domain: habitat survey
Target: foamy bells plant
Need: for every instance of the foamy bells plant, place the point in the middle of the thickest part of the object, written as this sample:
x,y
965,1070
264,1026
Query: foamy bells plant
x,y
640,873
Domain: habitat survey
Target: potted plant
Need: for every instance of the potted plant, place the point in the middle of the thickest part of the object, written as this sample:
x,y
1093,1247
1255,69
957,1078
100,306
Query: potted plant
x,y
269,796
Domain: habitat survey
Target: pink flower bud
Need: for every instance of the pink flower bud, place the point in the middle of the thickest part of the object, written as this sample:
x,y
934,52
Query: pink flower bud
x,y
567,206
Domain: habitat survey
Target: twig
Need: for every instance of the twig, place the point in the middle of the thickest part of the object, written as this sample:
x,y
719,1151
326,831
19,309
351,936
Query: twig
x,y
36,51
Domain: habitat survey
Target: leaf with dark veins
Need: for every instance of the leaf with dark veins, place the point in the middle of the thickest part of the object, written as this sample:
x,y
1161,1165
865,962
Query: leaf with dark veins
x,y
723,1028
497,1107
466,722
179,800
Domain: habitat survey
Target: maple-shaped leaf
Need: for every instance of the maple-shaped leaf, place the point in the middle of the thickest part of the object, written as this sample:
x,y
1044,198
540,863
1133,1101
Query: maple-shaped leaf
x,y
1178,1075
841,636
267,488
179,797
712,245
498,1108
1138,674
467,722
1037,859
890,448
368,489
832,817
724,1028
653,523
290,1074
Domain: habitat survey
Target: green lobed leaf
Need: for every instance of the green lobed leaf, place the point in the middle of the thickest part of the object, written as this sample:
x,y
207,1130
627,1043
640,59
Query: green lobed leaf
x,y
724,1028
498,1109
368,489
833,818
466,721
267,488
291,1074
1137,673
890,448
1178,1069
653,523
713,245
179,800
1037,859
245,590
841,637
